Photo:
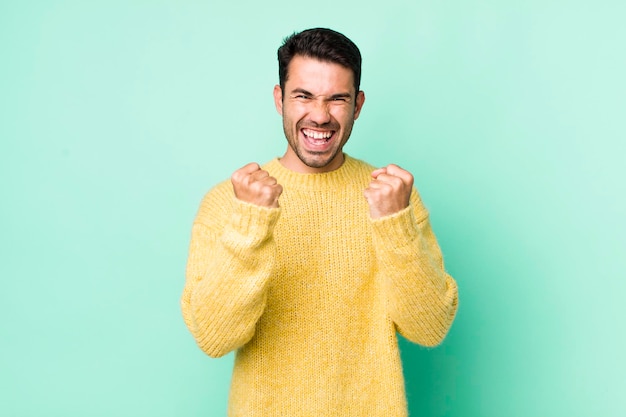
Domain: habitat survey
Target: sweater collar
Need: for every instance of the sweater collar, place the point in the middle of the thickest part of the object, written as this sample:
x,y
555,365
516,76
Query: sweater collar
x,y
327,180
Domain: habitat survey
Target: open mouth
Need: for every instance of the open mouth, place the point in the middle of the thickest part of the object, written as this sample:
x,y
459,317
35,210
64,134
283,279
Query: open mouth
x,y
317,138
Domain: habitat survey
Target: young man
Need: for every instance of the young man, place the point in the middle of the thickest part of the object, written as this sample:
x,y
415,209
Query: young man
x,y
309,265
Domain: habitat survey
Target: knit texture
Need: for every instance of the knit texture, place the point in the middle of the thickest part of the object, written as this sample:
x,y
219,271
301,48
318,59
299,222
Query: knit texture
x,y
312,294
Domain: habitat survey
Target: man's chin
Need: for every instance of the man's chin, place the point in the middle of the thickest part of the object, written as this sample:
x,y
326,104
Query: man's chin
x,y
318,160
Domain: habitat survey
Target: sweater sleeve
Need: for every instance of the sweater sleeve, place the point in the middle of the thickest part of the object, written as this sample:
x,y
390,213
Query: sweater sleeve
x,y
231,258
422,298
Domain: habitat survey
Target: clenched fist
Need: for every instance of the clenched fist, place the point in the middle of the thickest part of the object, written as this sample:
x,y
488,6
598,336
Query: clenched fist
x,y
389,191
255,186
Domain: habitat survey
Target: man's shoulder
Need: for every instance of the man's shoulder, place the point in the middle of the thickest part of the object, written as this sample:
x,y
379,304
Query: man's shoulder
x,y
222,189
216,202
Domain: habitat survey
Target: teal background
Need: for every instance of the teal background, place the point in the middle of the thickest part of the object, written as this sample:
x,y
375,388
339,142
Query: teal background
x,y
116,117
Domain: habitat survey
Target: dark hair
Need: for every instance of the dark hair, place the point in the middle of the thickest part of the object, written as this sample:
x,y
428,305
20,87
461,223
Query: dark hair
x,y
324,45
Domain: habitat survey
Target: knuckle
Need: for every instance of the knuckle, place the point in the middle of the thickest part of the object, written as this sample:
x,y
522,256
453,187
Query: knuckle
x,y
255,186
264,190
396,181
268,193
236,179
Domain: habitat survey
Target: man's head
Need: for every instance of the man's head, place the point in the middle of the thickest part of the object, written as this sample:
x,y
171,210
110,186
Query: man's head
x,y
318,98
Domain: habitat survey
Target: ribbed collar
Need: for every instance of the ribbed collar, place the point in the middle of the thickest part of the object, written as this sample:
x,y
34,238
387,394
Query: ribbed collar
x,y
325,181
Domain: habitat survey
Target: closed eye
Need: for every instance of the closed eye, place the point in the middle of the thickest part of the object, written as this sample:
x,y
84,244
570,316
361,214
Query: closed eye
x,y
341,98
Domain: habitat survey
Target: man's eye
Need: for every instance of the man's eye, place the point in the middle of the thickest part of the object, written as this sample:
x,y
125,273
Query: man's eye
x,y
302,96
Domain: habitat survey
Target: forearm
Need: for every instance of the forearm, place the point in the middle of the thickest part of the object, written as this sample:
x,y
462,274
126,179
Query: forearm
x,y
227,275
422,297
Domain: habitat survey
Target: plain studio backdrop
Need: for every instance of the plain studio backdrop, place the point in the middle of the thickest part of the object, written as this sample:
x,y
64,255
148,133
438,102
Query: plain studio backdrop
x,y
116,117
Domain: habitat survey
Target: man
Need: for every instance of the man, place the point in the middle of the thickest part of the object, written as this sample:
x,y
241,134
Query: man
x,y
309,265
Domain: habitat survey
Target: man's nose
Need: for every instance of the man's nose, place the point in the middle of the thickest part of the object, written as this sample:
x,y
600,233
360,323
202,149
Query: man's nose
x,y
320,113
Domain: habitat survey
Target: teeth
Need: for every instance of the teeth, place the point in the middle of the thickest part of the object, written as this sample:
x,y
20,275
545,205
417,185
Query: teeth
x,y
317,135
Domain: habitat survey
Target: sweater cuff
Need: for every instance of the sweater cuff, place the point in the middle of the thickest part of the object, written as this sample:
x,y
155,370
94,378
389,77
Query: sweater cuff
x,y
252,221
396,230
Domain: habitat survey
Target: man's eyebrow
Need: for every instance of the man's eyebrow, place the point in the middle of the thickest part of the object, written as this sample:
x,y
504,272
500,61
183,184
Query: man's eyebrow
x,y
301,91
341,95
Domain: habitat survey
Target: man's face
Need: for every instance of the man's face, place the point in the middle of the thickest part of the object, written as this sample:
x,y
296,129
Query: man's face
x,y
319,107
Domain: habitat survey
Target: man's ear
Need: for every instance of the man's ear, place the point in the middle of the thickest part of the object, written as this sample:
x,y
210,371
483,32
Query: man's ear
x,y
278,99
360,99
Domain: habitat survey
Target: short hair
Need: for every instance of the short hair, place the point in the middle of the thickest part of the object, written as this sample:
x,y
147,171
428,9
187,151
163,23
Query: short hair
x,y
322,44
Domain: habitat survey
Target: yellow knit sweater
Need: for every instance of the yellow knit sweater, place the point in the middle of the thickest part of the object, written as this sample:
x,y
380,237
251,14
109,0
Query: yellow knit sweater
x,y
311,295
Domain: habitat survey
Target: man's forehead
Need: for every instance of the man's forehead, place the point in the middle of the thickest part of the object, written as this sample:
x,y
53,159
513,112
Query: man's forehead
x,y
305,70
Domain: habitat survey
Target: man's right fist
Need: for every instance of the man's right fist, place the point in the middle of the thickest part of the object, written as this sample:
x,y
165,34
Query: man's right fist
x,y
255,186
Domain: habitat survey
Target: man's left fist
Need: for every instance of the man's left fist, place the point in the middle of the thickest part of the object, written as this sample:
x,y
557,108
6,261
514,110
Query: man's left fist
x,y
389,191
